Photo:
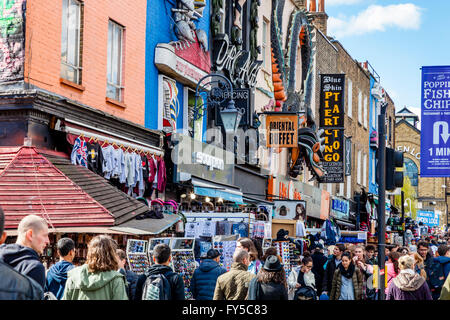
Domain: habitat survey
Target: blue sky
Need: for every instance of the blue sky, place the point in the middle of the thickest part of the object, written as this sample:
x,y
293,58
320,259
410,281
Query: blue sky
x,y
397,37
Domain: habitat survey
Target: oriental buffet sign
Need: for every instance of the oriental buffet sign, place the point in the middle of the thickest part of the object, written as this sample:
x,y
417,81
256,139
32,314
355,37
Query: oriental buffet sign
x,y
282,130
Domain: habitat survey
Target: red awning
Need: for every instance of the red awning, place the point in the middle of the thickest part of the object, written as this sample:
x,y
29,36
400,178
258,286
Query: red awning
x,y
31,184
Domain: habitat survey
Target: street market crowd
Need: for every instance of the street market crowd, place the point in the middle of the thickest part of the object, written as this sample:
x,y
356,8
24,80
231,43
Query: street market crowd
x,y
419,271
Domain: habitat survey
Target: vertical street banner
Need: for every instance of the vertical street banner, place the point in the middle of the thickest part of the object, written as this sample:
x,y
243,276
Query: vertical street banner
x,y
435,110
348,156
332,121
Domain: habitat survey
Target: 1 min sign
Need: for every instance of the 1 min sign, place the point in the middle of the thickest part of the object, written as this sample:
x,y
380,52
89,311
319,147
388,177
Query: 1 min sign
x,y
332,121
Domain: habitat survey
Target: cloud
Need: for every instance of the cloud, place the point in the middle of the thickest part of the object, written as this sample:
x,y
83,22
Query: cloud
x,y
377,18
341,2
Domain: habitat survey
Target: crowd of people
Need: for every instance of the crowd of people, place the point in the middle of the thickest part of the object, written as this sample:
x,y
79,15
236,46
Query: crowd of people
x,y
419,271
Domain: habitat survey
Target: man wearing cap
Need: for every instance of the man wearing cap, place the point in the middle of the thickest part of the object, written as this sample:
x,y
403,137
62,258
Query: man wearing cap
x,y
204,280
319,261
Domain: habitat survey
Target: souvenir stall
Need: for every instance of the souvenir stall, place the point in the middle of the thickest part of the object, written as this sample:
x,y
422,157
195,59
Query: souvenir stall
x,y
183,261
153,243
226,245
136,251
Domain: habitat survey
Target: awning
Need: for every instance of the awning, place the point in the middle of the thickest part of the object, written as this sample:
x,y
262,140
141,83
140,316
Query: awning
x,y
210,189
147,226
343,223
254,200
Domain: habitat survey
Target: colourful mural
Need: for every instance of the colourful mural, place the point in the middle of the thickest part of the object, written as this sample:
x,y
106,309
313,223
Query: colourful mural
x,y
12,39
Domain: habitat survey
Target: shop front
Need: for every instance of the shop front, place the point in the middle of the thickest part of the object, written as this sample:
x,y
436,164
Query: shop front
x,y
340,210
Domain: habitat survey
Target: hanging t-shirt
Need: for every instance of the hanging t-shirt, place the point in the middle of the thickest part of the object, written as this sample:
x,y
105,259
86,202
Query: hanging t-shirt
x,y
241,229
79,153
139,174
95,158
130,165
207,228
191,229
145,168
108,161
300,230
119,169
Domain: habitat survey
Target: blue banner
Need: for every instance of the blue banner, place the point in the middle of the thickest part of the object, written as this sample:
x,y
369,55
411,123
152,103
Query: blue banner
x,y
435,134
429,218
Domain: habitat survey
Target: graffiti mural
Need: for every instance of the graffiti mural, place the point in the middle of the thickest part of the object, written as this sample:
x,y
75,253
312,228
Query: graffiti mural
x,y
284,79
12,39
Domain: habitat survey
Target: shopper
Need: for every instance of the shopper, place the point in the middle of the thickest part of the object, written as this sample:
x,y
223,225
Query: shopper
x,y
413,246
130,276
57,274
408,285
445,292
319,260
248,245
157,274
203,282
332,263
425,253
98,278
370,255
439,271
23,256
403,251
444,258
392,268
302,277
271,251
233,285
14,285
270,283
419,266
347,281
359,259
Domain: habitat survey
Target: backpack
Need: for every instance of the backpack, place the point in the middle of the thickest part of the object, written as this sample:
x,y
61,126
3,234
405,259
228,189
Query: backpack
x,y
305,293
436,274
156,287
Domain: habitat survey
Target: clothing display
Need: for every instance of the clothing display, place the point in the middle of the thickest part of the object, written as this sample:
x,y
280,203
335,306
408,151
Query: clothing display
x,y
108,161
95,158
241,229
258,229
206,229
300,230
79,153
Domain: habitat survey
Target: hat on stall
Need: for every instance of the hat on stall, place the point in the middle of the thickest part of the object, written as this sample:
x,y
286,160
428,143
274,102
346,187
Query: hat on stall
x,y
272,263
212,254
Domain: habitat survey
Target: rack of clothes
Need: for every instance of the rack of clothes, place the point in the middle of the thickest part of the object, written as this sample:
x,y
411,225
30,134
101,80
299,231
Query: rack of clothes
x,y
134,171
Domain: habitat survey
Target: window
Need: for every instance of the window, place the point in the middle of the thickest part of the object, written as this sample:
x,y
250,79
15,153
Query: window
x,y
350,94
264,43
365,112
374,114
70,41
349,187
358,176
360,107
364,182
114,79
411,171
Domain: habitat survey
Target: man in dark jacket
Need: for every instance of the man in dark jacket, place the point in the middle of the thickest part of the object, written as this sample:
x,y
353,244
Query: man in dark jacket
x,y
23,255
57,274
162,258
130,276
203,282
332,264
13,285
319,261
424,251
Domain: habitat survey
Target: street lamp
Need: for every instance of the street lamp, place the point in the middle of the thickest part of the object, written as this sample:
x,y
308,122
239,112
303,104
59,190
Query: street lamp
x,y
217,90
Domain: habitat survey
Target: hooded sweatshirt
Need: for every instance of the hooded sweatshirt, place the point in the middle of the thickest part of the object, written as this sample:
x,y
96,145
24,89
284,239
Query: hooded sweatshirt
x,y
175,280
408,285
84,285
24,260
204,280
57,277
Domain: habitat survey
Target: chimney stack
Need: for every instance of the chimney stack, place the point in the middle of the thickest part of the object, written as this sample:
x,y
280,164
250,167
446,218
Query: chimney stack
x,y
320,18
312,5
321,5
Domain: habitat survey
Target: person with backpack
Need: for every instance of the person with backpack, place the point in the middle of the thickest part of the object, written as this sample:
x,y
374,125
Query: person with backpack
x,y
57,274
203,282
408,285
270,283
319,260
439,271
347,281
159,282
301,281
98,278
248,245
130,276
14,285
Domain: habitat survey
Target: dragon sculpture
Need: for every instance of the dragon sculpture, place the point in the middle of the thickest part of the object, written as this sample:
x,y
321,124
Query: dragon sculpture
x,y
287,99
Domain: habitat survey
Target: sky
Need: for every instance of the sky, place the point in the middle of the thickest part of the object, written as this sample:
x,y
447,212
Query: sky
x,y
397,37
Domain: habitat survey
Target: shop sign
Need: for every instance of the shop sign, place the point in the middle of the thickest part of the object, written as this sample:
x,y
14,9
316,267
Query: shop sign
x,y
411,151
282,130
206,161
429,218
332,121
340,209
290,210
242,102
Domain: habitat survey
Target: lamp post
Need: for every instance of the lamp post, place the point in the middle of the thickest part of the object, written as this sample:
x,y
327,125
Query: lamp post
x,y
217,89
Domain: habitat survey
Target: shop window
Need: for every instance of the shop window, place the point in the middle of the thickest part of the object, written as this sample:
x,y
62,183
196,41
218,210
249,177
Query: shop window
x,y
188,116
350,96
411,171
71,41
115,57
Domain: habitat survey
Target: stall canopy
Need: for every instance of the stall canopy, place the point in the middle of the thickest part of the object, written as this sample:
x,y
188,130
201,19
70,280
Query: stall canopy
x,y
35,181
215,190
148,226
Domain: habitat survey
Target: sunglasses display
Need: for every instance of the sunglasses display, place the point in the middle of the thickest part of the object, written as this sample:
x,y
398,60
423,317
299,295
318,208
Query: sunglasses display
x,y
183,261
226,250
284,251
137,256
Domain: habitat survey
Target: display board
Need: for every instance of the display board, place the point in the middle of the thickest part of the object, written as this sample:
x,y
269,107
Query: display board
x,y
284,251
153,243
138,261
183,260
226,250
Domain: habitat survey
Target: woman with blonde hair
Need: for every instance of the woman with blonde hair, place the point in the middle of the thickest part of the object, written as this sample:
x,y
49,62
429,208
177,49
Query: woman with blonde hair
x,y
98,278
408,285
248,245
419,265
